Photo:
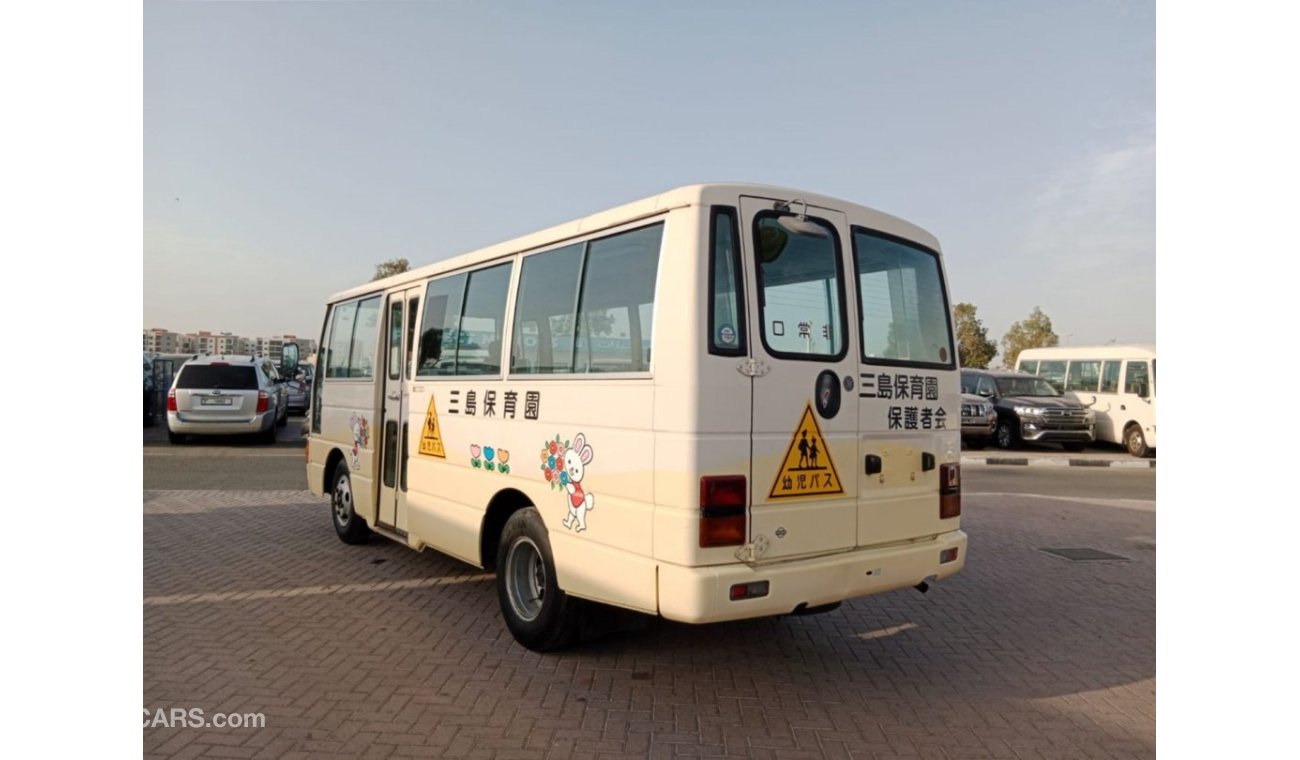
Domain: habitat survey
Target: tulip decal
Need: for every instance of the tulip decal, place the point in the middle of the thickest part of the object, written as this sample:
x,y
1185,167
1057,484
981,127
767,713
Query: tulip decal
x,y
489,458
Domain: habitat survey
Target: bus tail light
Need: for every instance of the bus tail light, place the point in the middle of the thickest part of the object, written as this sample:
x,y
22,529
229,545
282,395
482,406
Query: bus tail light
x,y
949,491
722,510
263,401
171,401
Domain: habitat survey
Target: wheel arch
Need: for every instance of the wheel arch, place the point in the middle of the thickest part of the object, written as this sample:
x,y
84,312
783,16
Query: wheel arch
x,y
506,502
331,463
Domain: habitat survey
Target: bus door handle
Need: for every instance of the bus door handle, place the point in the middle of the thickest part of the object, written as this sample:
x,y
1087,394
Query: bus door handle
x,y
395,397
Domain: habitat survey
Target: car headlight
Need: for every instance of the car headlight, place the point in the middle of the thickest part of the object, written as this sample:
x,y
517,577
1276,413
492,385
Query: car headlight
x,y
1029,411
1090,415
988,408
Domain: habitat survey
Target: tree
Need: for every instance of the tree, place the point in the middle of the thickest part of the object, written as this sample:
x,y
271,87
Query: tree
x,y
1034,331
390,268
974,349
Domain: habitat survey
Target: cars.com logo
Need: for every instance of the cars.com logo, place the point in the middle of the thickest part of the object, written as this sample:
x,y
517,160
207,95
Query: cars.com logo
x,y
180,717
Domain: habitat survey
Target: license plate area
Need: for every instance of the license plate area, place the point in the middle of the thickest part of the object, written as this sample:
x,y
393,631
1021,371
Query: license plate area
x,y
216,401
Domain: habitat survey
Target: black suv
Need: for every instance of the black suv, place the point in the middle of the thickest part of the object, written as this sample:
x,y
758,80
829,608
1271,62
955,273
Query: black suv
x,y
1030,409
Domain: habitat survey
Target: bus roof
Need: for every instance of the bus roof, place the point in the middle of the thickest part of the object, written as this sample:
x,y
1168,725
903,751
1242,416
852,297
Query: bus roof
x,y
720,193
1107,351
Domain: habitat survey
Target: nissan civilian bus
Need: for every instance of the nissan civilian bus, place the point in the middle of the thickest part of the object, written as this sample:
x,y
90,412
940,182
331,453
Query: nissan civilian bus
x,y
725,401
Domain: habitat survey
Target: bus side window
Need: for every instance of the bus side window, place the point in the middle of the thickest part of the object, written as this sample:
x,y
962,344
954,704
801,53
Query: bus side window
x,y
616,316
336,357
1030,366
365,339
548,293
1136,379
1054,373
1110,377
481,326
1083,376
438,334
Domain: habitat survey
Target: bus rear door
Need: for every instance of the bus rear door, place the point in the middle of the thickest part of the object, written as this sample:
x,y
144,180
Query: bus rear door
x,y
804,426
908,390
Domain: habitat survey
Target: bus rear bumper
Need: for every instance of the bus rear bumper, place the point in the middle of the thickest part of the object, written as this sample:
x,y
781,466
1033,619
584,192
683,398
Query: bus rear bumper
x,y
703,594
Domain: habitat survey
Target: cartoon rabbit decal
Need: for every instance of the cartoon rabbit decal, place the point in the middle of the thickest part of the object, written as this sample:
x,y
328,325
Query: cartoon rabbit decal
x,y
575,461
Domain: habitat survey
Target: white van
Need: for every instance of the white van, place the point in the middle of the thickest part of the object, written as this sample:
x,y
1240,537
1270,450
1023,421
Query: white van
x,y
1118,382
722,402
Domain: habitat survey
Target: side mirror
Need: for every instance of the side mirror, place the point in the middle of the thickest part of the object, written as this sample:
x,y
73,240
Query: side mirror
x,y
1141,389
986,393
289,360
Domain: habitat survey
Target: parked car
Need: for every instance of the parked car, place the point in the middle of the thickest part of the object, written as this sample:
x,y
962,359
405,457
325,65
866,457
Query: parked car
x,y
225,395
1029,408
978,421
300,388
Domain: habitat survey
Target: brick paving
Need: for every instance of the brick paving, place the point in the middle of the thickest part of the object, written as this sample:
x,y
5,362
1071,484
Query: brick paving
x,y
252,605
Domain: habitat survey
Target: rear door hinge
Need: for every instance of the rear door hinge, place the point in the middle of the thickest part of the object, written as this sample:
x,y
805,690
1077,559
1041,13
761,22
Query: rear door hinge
x,y
752,368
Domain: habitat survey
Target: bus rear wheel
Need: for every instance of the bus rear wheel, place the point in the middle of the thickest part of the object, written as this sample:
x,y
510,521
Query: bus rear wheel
x,y
538,613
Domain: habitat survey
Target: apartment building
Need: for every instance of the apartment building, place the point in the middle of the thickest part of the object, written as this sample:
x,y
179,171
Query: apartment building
x,y
162,341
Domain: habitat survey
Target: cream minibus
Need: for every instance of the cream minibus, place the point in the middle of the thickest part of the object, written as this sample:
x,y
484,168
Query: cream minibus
x,y
726,401
1118,382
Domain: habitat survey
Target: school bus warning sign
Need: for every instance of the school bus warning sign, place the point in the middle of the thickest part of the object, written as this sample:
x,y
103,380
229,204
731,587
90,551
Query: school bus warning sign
x,y
431,437
807,469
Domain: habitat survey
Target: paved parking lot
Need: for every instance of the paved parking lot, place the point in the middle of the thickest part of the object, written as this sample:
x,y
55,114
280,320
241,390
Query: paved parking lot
x,y
252,605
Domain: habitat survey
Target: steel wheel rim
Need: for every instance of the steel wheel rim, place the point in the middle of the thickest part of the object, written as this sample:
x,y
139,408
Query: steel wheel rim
x,y
343,500
1134,445
525,576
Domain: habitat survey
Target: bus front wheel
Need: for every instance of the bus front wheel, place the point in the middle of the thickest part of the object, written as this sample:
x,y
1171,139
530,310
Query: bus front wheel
x,y
538,613
1135,442
350,526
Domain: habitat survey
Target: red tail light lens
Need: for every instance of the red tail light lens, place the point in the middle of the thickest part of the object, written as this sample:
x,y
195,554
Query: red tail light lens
x,y
263,401
171,401
722,510
949,491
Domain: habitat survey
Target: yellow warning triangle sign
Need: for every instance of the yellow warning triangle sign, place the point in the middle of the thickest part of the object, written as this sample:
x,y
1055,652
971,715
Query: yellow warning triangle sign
x,y
807,469
431,437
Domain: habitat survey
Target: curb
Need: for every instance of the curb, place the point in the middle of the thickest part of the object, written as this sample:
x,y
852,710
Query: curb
x,y
1138,464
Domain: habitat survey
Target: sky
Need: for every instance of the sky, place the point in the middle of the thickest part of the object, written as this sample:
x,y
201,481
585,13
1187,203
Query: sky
x,y
291,147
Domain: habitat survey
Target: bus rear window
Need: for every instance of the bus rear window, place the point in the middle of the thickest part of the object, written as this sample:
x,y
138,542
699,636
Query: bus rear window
x,y
799,287
902,302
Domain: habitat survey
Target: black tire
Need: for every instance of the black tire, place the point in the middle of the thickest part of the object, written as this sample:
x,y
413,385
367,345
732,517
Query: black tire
x,y
537,611
175,438
1007,434
268,436
1136,442
350,527
282,421
1075,446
